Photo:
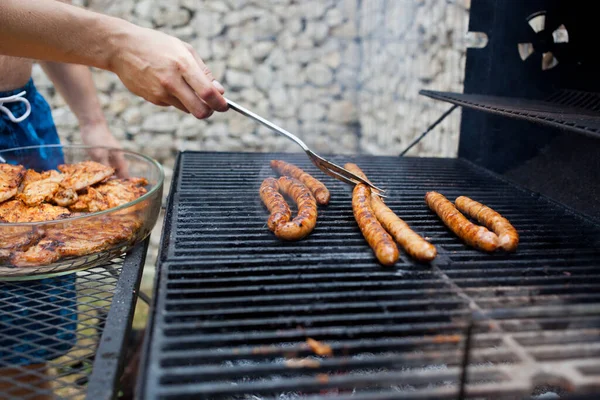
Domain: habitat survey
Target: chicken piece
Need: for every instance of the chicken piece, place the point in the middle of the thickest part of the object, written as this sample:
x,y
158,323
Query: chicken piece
x,y
16,211
84,174
65,197
16,238
91,201
30,175
10,178
43,253
80,238
36,191
121,191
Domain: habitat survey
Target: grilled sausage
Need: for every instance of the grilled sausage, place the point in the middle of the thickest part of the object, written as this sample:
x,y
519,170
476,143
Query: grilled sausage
x,y
507,234
275,203
318,189
414,245
474,235
305,221
380,241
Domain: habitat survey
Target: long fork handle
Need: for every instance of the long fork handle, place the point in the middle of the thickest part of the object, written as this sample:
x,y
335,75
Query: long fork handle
x,y
244,111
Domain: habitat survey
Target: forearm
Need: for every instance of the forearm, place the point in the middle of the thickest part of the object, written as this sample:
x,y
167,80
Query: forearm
x,y
76,86
53,31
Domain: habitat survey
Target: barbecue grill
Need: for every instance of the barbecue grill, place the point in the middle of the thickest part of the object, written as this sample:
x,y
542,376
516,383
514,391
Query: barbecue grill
x,y
234,307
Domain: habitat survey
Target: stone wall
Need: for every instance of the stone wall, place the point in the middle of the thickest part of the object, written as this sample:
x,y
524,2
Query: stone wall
x,y
342,74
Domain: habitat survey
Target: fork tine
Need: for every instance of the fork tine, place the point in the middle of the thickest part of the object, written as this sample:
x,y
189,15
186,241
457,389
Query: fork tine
x,y
345,179
344,172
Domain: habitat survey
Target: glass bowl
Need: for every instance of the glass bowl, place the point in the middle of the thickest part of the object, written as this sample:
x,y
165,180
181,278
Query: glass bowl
x,y
94,238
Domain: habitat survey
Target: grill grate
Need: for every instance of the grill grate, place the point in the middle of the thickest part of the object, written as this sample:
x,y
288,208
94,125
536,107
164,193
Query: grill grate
x,y
234,306
571,110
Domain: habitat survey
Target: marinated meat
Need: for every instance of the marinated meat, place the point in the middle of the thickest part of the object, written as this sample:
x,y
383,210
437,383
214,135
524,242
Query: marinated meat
x,y
84,174
110,194
36,191
275,203
91,201
121,191
318,189
79,238
10,178
65,197
13,211
16,238
30,176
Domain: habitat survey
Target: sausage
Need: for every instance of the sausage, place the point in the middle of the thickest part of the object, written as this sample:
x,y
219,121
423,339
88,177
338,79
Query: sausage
x,y
275,203
474,235
380,241
414,245
318,189
306,219
508,238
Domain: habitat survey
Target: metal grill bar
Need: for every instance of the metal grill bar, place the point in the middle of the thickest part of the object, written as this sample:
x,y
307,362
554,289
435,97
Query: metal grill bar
x,y
235,306
572,111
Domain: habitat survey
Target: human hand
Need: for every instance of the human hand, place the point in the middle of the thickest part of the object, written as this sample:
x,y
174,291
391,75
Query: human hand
x,y
99,134
166,71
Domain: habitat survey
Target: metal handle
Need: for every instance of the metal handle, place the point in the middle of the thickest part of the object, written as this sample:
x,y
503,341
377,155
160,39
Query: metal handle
x,y
234,106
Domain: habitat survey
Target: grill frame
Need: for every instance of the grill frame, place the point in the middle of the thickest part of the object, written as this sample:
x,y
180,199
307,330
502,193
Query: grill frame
x,y
447,274
569,110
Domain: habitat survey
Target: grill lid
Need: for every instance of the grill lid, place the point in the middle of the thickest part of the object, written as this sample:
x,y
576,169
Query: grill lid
x,y
234,306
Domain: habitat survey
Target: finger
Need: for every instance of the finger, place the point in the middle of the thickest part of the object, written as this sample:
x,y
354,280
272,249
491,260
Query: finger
x,y
100,156
200,79
188,98
118,161
208,73
219,87
174,101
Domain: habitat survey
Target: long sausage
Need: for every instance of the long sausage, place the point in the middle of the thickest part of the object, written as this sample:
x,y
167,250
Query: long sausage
x,y
411,242
380,241
318,189
306,219
474,235
275,203
507,234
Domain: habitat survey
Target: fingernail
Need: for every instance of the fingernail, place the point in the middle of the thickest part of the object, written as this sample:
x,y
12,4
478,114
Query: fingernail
x,y
218,85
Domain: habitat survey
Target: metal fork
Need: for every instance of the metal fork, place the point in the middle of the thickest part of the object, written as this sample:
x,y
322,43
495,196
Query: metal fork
x,y
327,167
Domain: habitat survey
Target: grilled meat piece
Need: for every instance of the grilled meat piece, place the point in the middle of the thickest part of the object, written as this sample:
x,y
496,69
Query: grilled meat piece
x,y
411,242
318,189
305,221
84,174
380,241
13,211
36,191
275,203
65,197
10,178
30,175
507,234
474,235
91,201
16,238
79,238
122,191
110,194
